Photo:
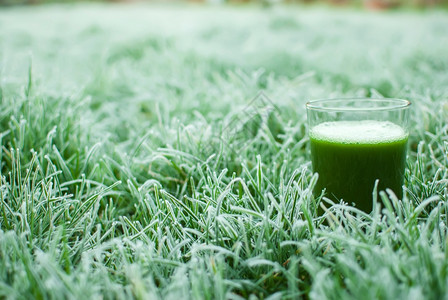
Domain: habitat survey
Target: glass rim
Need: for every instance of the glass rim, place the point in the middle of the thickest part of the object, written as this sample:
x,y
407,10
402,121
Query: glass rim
x,y
388,104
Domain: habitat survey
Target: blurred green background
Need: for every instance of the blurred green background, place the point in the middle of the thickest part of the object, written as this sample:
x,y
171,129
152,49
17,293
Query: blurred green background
x,y
367,4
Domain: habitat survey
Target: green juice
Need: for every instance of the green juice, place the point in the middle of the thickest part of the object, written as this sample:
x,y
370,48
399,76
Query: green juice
x,y
350,155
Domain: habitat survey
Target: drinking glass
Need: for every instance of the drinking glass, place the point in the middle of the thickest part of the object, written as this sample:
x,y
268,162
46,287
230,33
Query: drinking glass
x,y
355,142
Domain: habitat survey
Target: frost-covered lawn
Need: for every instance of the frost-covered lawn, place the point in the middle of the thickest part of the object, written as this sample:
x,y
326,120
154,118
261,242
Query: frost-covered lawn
x,y
140,160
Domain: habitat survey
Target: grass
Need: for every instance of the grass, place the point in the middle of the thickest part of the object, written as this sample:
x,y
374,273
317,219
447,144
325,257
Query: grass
x,y
126,172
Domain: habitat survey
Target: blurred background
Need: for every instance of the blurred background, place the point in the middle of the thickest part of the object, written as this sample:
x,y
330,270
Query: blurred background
x,y
366,4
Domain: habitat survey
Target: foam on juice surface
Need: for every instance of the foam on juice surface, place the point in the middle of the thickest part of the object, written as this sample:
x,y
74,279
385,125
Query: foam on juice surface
x,y
358,132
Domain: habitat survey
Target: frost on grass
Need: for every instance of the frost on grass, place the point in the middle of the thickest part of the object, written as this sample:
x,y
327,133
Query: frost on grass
x,y
136,162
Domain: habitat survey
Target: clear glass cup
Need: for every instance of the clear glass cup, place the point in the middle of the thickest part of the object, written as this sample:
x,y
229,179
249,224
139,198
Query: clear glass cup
x,y
355,142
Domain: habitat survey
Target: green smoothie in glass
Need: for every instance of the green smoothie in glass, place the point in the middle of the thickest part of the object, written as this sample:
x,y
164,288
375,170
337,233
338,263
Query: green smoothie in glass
x,y
348,160
355,142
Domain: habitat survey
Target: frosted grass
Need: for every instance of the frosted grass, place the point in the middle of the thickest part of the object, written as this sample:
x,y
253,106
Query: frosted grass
x,y
109,188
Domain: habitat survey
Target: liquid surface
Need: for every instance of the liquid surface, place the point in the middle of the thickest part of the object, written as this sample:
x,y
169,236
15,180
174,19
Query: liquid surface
x,y
358,132
350,155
